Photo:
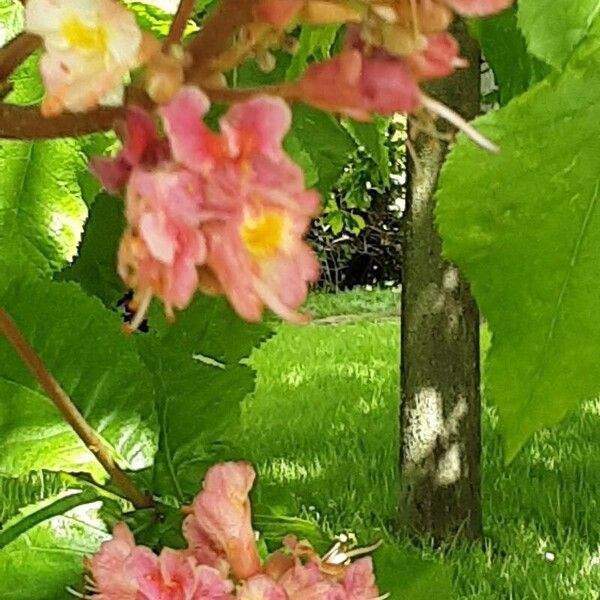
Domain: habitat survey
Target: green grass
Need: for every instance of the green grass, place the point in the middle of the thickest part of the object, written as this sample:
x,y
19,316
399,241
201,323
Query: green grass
x,y
323,421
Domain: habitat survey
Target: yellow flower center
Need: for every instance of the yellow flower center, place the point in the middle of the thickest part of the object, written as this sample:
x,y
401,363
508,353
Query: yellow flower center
x,y
82,37
263,236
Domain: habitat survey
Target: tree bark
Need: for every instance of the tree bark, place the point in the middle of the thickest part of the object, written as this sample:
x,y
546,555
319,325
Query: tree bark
x,y
440,399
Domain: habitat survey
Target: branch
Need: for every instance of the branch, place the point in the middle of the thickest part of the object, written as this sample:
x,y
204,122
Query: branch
x,y
216,35
231,95
179,22
15,52
70,412
27,123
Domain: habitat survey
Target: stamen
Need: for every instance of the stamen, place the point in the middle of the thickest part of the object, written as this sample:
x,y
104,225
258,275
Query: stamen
x,y
455,119
140,314
362,551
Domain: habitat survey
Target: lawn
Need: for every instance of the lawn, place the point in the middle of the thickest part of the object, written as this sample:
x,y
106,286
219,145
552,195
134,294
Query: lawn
x,y
323,421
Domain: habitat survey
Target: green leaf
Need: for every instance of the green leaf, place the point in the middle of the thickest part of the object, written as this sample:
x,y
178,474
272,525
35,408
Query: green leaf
x,y
293,146
53,509
41,207
313,43
503,45
16,492
82,345
326,142
42,210
155,20
336,221
554,28
43,562
199,382
524,225
409,577
372,137
95,268
12,19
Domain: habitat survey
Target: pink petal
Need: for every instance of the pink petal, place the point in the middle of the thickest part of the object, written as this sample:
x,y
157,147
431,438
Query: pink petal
x,y
211,585
257,126
112,173
261,587
437,60
222,510
359,580
139,134
478,7
111,567
193,144
160,238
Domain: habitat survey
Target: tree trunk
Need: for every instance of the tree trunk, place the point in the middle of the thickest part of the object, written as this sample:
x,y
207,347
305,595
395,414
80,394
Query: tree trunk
x,y
440,404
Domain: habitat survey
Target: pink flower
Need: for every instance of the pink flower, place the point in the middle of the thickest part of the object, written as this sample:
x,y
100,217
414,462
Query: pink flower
x,y
359,580
90,46
256,255
120,570
112,567
175,576
220,524
141,146
478,7
358,86
438,59
307,582
261,587
164,244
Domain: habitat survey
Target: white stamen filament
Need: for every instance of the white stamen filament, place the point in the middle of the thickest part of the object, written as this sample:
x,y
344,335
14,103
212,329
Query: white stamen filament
x,y
455,119
141,311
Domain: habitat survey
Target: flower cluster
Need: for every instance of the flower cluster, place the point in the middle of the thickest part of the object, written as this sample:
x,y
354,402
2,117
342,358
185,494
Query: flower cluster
x,y
222,560
90,47
221,212
390,49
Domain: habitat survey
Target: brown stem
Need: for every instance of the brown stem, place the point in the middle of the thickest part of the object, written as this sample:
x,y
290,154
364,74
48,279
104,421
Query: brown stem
x,y
231,95
179,22
16,51
218,31
26,122
70,412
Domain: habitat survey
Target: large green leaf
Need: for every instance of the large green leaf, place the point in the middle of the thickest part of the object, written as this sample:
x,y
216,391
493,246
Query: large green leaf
x,y
95,267
325,141
554,28
42,210
43,562
503,45
12,18
82,345
524,225
373,137
200,382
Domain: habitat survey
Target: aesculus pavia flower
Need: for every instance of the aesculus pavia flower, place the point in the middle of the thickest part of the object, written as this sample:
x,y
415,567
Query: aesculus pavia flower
x,y
90,47
221,212
222,560
256,255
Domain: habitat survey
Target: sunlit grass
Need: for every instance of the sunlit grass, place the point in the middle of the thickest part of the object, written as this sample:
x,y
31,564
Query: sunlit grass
x,y
323,421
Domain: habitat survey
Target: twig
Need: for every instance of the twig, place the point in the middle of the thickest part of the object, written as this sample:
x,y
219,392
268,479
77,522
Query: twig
x,y
184,10
70,412
231,95
26,122
218,31
16,51
441,110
